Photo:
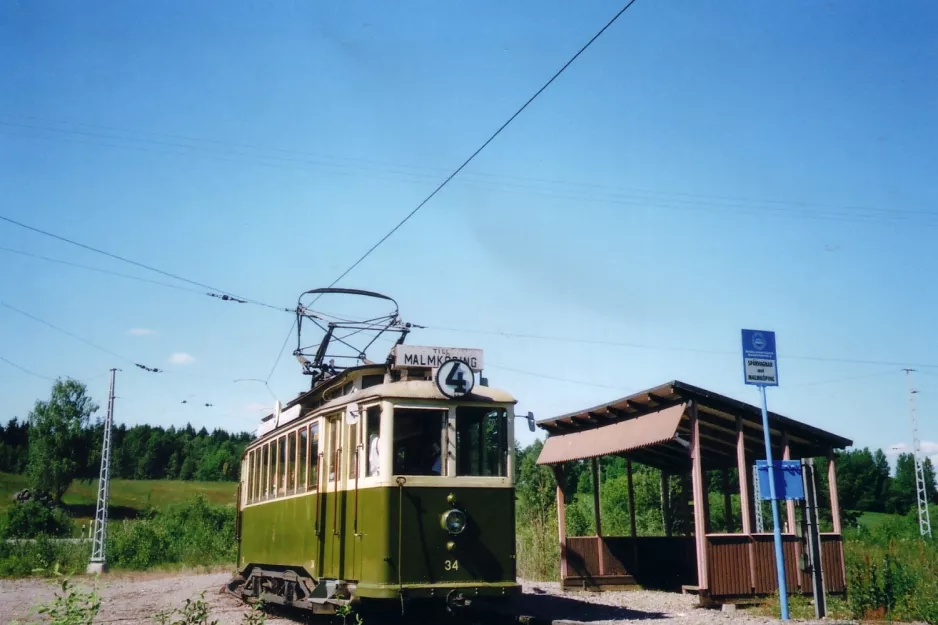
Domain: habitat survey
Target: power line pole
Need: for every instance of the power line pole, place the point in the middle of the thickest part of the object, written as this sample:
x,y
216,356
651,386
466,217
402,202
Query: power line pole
x,y
99,536
921,495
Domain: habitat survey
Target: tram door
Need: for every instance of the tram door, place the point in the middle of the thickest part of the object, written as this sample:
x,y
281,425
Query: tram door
x,y
330,482
351,459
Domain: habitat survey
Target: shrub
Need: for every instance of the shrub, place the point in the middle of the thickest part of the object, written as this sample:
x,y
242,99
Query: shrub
x,y
43,556
892,572
31,519
194,532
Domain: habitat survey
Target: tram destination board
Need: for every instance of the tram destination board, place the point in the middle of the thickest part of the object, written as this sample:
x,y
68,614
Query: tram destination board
x,y
760,362
433,357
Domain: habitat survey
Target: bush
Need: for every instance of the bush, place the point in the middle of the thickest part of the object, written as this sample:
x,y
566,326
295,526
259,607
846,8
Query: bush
x,y
31,519
892,572
43,556
192,533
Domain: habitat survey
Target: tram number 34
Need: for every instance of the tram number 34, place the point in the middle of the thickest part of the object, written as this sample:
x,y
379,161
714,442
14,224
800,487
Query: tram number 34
x,y
451,565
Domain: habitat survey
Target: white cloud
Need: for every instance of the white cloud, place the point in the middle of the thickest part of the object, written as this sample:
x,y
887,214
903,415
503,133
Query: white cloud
x,y
929,447
141,331
181,358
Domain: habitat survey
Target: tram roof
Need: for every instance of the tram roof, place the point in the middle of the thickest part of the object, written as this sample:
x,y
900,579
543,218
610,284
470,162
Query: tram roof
x,y
652,427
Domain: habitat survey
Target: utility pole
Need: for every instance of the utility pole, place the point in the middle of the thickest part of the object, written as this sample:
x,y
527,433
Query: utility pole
x,y
921,495
99,535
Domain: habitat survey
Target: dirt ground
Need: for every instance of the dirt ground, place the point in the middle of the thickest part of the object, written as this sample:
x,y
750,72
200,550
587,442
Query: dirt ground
x,y
136,598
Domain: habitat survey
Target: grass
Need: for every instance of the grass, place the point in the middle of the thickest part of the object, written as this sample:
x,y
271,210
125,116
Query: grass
x,y
872,520
128,499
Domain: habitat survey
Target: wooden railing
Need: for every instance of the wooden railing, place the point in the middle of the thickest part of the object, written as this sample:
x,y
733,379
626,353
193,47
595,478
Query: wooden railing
x,y
743,565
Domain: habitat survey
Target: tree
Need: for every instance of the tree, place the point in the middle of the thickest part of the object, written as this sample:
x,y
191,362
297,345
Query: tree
x,y
902,493
56,433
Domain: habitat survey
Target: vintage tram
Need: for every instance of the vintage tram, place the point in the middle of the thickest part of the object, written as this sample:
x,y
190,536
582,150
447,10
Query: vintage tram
x,y
384,482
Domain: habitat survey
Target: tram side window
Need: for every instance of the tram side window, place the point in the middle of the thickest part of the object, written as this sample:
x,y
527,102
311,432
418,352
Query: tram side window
x,y
353,454
302,443
268,472
418,439
248,470
331,445
314,462
291,463
258,476
372,432
281,465
481,441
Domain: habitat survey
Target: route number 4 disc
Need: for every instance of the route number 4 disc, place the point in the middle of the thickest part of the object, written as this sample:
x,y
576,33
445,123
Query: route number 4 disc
x,y
454,378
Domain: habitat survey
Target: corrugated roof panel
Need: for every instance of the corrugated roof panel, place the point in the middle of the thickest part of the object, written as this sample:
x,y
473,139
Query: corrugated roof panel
x,y
650,429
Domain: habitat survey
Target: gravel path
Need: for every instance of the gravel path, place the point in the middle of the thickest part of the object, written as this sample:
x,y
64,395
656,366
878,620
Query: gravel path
x,y
135,598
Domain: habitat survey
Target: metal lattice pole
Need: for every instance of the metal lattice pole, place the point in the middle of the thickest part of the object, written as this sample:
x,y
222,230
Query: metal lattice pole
x,y
921,495
99,534
757,504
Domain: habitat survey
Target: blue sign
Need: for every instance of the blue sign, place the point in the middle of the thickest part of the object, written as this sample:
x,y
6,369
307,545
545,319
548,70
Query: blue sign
x,y
760,362
788,481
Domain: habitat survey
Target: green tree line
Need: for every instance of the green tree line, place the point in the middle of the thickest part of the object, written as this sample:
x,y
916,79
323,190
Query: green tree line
x,y
63,436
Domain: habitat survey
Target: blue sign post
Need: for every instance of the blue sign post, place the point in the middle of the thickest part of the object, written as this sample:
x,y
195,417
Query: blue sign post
x,y
760,368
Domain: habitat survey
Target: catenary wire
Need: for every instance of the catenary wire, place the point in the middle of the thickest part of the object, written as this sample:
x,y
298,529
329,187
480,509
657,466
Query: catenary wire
x,y
25,370
138,264
417,174
663,348
99,270
465,163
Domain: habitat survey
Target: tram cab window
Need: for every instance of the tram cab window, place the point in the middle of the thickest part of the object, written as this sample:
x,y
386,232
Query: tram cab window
x,y
418,439
481,441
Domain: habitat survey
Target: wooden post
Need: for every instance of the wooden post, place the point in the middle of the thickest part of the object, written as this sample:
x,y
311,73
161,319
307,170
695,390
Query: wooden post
x,y
666,503
700,523
727,502
628,472
789,504
832,483
597,513
745,498
561,523
598,516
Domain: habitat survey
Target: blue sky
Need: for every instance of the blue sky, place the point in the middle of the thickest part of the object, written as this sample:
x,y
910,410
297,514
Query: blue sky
x,y
702,168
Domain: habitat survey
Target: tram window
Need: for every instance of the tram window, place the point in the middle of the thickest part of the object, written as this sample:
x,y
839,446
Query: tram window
x,y
481,441
258,476
281,465
268,472
418,439
331,427
353,451
372,380
291,462
249,466
314,456
302,444
372,432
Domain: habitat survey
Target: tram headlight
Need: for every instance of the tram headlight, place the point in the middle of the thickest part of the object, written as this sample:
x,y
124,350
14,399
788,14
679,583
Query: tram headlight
x,y
454,521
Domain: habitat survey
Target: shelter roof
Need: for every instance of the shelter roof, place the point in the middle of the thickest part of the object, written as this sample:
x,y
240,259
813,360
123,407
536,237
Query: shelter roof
x,y
659,439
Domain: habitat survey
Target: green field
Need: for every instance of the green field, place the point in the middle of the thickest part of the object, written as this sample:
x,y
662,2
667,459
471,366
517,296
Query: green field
x,y
128,497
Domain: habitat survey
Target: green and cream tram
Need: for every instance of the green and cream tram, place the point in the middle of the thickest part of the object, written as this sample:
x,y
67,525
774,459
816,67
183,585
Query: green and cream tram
x,y
383,483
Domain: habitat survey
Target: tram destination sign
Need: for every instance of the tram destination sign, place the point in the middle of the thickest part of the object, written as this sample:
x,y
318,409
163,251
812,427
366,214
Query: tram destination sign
x,y
433,357
760,362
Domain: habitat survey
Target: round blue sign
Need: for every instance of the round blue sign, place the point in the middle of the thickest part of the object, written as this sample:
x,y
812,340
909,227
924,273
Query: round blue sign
x,y
758,341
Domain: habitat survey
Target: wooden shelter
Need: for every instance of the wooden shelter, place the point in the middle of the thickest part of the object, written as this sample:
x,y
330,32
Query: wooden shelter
x,y
689,432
